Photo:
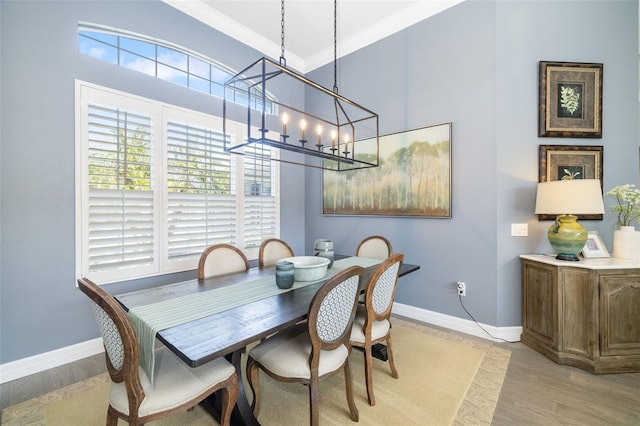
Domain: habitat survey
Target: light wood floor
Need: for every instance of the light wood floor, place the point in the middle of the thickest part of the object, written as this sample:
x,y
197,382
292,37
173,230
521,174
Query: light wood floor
x,y
536,391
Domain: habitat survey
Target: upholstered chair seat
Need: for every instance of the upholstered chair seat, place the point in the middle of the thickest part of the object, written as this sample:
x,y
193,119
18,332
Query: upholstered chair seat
x,y
174,385
287,354
379,329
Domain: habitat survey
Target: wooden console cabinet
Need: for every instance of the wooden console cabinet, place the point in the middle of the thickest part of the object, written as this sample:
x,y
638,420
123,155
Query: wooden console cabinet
x,y
585,314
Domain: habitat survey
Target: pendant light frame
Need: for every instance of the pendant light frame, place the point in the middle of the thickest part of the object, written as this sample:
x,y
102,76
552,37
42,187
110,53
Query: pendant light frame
x,y
347,134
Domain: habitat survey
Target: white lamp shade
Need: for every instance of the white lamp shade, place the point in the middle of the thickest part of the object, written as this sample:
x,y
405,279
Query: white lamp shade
x,y
580,196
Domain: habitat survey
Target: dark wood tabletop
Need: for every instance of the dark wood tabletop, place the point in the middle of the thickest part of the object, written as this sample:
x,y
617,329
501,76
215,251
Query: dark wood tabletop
x,y
227,333
208,338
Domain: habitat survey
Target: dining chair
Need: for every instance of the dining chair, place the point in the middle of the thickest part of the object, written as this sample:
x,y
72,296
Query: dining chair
x,y
176,387
374,246
221,259
371,324
314,350
272,250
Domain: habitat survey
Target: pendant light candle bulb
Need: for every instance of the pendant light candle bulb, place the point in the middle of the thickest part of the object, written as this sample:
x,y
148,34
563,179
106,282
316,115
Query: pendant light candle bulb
x,y
303,126
333,139
285,120
319,132
346,145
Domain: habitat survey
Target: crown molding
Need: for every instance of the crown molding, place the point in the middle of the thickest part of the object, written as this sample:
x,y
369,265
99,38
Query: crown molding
x,y
394,23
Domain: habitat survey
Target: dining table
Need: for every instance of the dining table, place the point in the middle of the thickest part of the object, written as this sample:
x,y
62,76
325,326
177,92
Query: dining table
x,y
226,333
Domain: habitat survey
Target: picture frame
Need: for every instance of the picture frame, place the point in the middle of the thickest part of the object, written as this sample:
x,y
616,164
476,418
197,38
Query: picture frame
x,y
564,162
594,246
570,99
412,180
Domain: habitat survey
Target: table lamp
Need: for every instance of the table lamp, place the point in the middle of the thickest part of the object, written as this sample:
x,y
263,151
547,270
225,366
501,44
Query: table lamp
x,y
568,198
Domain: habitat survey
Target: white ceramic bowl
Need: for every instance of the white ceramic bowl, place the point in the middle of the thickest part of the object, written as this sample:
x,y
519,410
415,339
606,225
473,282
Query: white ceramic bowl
x,y
308,268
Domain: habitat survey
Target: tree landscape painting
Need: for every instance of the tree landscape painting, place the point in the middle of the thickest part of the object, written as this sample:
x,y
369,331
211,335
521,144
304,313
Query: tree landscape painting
x,y
413,178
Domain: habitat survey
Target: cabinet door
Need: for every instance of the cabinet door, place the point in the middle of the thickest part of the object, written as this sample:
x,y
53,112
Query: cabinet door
x,y
577,311
540,302
620,315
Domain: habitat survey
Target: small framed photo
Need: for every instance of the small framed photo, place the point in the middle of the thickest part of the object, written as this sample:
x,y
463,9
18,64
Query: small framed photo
x,y
570,104
594,246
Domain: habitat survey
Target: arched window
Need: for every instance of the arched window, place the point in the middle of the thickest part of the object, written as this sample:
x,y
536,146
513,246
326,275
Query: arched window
x,y
162,60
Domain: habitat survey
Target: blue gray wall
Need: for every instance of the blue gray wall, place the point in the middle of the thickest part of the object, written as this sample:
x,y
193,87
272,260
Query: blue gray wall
x,y
574,31
474,65
41,308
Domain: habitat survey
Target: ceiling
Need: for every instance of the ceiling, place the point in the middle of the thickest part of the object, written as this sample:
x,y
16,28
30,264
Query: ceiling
x,y
309,24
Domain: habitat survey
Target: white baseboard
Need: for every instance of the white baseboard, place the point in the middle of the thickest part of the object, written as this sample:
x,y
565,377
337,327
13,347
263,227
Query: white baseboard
x,y
34,364
37,363
510,334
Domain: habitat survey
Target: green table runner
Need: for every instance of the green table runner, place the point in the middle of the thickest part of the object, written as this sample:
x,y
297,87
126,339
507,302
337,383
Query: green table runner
x,y
148,320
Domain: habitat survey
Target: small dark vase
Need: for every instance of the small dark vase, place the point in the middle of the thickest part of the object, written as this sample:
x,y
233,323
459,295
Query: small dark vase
x,y
284,274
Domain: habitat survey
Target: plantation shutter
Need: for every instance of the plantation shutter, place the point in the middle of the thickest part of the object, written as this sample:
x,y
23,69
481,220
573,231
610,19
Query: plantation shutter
x,y
260,213
201,204
155,187
120,221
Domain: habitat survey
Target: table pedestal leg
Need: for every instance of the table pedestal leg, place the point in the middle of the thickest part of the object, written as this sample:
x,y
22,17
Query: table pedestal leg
x,y
379,351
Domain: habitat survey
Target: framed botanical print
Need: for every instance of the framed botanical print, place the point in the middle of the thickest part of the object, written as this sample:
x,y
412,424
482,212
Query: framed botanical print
x,y
570,104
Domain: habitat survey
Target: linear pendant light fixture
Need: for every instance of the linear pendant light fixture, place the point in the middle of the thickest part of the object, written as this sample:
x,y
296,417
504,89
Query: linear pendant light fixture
x,y
328,131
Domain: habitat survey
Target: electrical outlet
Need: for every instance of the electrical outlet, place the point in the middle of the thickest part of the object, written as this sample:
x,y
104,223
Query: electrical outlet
x,y
462,288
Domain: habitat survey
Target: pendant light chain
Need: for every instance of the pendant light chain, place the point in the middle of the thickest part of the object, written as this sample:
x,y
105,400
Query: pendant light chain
x,y
283,61
335,46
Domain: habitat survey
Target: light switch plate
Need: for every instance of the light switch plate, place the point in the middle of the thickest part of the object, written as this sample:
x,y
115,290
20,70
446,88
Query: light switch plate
x,y
519,229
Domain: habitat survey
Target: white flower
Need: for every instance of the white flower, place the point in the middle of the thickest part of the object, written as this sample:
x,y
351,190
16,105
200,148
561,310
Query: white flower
x,y
628,206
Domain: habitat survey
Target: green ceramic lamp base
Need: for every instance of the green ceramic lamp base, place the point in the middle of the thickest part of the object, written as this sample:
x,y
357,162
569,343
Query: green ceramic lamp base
x,y
567,237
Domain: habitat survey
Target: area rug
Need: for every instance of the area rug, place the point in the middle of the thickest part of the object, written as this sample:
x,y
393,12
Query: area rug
x,y
445,379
